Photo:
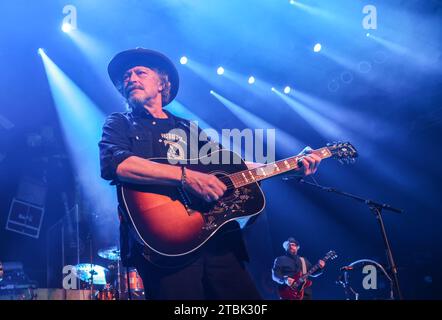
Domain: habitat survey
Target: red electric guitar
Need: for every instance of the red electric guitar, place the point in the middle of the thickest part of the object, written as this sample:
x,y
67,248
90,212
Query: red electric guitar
x,y
296,290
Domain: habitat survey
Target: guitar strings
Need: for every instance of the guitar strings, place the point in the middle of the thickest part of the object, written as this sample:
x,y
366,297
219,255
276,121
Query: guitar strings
x,y
227,181
293,161
230,184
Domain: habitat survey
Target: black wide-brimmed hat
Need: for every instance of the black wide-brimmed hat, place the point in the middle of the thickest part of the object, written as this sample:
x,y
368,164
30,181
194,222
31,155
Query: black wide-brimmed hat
x,y
128,59
288,241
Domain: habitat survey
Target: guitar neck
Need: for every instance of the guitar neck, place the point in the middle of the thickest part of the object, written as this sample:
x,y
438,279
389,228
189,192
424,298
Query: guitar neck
x,y
243,178
313,269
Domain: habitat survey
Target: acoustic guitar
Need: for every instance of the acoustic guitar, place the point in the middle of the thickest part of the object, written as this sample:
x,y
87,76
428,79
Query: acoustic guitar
x,y
173,223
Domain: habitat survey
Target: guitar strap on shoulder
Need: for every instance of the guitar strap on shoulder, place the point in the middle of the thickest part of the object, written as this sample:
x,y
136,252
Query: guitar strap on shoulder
x,y
304,265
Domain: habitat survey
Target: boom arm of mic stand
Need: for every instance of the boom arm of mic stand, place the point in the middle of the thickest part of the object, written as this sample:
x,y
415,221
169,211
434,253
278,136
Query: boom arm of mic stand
x,y
368,202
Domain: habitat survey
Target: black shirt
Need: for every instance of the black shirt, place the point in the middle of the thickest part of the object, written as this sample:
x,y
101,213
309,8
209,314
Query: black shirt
x,y
287,266
138,134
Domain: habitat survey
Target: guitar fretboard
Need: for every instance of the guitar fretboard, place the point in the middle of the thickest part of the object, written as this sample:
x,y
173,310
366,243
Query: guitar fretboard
x,y
316,267
243,178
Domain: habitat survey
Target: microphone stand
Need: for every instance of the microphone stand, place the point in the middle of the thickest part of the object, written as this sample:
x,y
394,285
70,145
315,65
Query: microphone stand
x,y
92,271
376,209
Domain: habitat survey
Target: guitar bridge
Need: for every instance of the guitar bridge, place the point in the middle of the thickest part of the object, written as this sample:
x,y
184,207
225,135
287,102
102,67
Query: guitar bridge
x,y
210,223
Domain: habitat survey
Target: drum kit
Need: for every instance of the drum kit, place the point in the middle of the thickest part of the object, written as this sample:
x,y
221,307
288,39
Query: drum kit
x,y
366,279
111,283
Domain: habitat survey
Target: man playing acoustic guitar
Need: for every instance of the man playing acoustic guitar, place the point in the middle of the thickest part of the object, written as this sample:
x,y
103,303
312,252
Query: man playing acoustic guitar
x,y
149,81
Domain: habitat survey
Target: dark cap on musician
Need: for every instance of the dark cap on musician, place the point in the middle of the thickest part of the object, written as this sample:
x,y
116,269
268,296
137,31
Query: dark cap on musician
x,y
288,241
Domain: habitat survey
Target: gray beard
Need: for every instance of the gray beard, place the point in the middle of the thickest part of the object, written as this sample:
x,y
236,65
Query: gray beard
x,y
136,102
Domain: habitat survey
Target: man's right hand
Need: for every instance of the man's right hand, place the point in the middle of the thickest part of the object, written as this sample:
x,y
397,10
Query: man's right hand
x,y
206,186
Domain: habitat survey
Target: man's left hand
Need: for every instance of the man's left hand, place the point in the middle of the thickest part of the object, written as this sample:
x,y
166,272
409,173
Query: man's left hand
x,y
310,161
321,263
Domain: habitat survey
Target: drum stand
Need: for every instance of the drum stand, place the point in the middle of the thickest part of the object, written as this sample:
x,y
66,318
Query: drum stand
x,y
119,284
92,272
118,280
348,290
376,209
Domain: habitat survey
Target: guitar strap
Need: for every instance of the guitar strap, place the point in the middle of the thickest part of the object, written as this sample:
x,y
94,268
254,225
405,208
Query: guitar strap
x,y
304,265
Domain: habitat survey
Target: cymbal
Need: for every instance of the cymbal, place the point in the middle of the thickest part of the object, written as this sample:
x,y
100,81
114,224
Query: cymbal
x,y
111,253
85,271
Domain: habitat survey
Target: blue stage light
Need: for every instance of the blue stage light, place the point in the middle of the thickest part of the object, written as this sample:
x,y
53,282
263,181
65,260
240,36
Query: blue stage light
x,y
183,60
251,80
220,71
317,47
66,27
287,90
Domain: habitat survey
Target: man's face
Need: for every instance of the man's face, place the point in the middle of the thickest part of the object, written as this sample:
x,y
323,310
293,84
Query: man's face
x,y
293,248
141,84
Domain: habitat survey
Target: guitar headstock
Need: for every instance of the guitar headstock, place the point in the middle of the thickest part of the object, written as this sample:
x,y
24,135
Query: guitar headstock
x,y
330,255
345,152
